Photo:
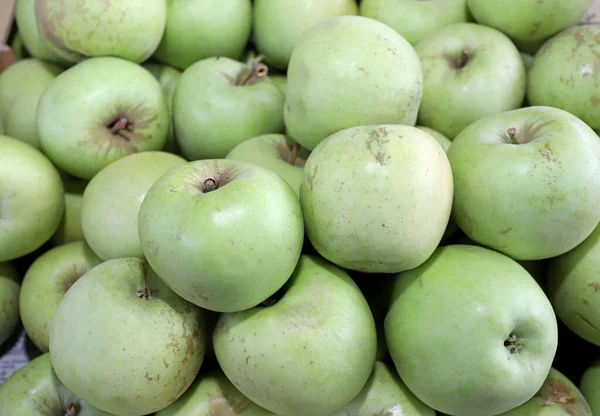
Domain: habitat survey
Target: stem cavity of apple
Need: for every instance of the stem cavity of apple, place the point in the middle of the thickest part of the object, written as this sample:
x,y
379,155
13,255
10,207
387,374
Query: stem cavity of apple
x,y
257,70
71,410
512,135
209,185
294,154
122,127
514,344
463,59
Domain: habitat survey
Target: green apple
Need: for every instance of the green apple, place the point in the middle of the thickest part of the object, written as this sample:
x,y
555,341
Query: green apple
x,y
34,390
275,152
525,182
280,81
529,23
9,300
18,47
590,386
32,199
470,332
99,111
385,395
125,343
377,198
527,60
220,102
223,234
414,20
309,350
213,394
200,29
112,200
350,71
21,86
558,396
279,25
45,284
70,229
458,62
128,29
571,84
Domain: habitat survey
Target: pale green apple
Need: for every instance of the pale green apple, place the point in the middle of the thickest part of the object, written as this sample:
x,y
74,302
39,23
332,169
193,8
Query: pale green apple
x,y
307,351
212,394
125,343
45,284
128,29
70,229
529,23
279,25
350,71
32,199
414,20
377,198
590,386
470,332
200,29
223,234
99,111
21,86
280,81
9,300
525,182
571,84
275,152
458,63
34,390
18,47
112,200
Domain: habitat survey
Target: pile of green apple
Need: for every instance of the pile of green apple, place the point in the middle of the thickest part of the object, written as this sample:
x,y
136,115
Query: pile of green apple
x,y
301,208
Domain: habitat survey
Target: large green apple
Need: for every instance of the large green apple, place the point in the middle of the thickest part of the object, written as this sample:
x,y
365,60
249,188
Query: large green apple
x,y
307,351
34,390
128,29
275,152
70,229
571,84
45,284
414,20
377,198
529,23
470,332
350,71
458,63
220,102
200,29
223,234
112,200
9,300
525,182
590,386
21,86
124,342
278,25
98,111
32,199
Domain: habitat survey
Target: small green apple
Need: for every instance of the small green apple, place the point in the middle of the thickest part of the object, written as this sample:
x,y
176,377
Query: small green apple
x,y
125,343
99,111
350,71
307,351
70,229
9,300
590,386
470,332
200,29
45,284
525,182
458,61
377,198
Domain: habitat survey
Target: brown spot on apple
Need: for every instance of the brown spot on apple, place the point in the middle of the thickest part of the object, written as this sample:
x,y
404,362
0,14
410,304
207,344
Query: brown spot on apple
x,y
595,286
556,392
376,145
504,232
535,28
311,178
595,100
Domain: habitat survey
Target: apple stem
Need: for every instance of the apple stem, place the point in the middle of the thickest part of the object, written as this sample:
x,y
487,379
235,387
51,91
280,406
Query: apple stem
x,y
294,154
512,135
71,410
123,128
209,185
463,59
257,70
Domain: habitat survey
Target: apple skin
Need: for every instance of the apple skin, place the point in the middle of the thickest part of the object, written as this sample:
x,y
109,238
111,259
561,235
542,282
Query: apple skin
x,y
78,109
45,284
70,229
18,47
112,201
26,178
460,309
456,87
590,386
414,20
21,86
292,357
528,23
352,217
200,29
350,71
125,29
273,152
280,81
121,352
34,390
533,200
571,84
9,300
279,25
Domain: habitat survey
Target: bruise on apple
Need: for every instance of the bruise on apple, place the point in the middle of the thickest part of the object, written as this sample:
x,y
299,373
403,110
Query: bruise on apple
x,y
46,23
556,392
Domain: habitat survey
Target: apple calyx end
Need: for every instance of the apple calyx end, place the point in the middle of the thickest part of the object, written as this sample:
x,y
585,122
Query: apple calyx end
x,y
72,410
514,344
256,71
143,293
209,185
